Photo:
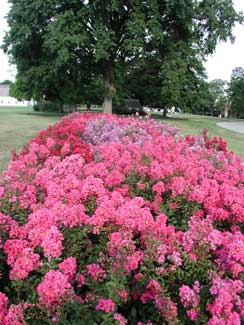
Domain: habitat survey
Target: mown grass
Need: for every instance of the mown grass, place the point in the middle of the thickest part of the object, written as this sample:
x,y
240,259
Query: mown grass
x,y
18,126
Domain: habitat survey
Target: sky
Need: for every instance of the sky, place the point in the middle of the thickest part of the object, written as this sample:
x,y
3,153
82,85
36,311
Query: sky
x,y
219,66
228,56
6,71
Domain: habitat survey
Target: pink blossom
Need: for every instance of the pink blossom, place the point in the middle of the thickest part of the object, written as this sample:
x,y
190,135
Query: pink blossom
x,y
81,280
68,267
78,182
21,258
1,191
52,243
3,307
120,319
54,290
106,305
15,315
141,186
95,271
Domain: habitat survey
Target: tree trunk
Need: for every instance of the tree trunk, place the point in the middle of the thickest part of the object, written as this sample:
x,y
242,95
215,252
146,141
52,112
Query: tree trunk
x,y
61,110
88,107
165,112
109,90
227,108
108,104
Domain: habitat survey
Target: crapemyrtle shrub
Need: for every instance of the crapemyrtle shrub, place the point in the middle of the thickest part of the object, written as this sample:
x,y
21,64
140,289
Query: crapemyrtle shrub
x,y
113,220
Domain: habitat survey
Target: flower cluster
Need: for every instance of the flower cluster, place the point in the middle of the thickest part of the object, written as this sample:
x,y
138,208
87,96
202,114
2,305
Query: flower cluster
x,y
190,299
113,220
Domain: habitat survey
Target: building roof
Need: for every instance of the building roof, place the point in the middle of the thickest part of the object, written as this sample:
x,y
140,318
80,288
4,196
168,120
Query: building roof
x,y
4,90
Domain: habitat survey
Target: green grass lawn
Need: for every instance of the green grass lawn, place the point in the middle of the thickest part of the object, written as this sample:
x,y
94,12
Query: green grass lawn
x,y
194,124
18,126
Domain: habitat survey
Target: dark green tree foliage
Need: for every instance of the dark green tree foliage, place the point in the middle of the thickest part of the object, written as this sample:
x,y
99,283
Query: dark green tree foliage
x,y
217,97
176,77
236,91
6,82
213,98
63,48
221,95
144,81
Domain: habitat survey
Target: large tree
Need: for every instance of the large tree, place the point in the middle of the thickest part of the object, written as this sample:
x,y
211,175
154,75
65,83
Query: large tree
x,y
236,92
58,45
177,81
218,96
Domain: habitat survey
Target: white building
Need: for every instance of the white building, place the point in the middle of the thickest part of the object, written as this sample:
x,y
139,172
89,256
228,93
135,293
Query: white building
x,y
6,100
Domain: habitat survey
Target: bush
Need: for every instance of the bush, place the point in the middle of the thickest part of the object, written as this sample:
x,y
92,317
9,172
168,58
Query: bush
x,y
108,220
47,106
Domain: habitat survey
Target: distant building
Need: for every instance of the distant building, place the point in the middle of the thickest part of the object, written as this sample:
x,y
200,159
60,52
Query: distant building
x,y
6,100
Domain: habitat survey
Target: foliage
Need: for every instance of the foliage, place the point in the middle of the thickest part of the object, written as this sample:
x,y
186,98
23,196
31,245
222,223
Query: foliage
x,y
137,226
48,107
58,46
6,82
212,98
237,92
218,96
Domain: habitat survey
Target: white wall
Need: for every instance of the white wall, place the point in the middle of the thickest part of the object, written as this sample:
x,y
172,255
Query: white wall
x,y
10,101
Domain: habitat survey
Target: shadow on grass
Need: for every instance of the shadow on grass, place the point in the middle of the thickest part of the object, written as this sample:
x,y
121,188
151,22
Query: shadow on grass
x,y
43,113
58,114
170,118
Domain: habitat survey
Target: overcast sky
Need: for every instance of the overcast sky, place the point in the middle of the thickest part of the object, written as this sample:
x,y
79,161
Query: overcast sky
x,y
219,65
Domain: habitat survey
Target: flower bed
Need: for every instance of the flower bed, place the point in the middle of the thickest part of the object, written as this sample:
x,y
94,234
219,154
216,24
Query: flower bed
x,y
108,220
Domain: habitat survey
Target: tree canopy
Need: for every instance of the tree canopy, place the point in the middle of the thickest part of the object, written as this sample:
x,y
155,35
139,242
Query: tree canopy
x,y
218,90
237,92
6,82
63,49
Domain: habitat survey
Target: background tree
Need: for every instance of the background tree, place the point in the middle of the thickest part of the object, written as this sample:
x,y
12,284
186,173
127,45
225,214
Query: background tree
x,y
237,92
54,43
218,96
179,81
6,82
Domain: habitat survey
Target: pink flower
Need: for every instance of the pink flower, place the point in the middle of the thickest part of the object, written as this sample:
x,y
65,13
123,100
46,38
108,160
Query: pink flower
x,y
120,319
189,297
52,243
81,280
123,295
21,258
141,186
78,182
54,290
106,305
15,315
152,289
95,271
227,299
3,307
114,178
1,191
193,314
132,262
68,267
167,308
159,188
